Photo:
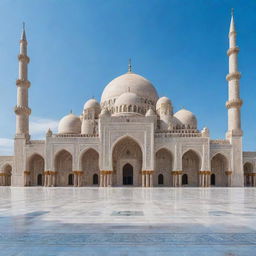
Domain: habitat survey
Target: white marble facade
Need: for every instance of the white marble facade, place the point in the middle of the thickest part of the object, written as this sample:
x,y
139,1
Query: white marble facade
x,y
132,137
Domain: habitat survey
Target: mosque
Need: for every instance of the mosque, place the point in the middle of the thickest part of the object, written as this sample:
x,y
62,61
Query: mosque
x,y
131,138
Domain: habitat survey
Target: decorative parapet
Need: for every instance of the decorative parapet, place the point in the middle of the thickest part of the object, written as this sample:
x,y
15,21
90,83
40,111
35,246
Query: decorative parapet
x,y
19,110
75,135
23,83
235,103
178,133
36,142
232,50
221,142
235,75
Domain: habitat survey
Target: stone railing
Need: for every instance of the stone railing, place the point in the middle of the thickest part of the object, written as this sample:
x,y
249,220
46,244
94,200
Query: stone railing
x,y
74,135
36,142
220,142
176,133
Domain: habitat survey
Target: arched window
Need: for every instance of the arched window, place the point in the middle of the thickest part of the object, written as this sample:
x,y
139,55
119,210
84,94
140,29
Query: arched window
x,y
40,179
184,179
71,179
212,179
95,179
160,179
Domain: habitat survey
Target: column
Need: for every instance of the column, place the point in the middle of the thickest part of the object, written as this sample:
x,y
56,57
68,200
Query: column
x,y
147,180
110,178
151,179
75,179
101,179
54,179
143,179
26,178
108,181
228,173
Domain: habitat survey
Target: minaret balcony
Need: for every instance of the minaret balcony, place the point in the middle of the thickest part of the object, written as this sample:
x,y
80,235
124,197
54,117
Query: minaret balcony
x,y
233,50
23,58
22,110
235,103
23,83
233,76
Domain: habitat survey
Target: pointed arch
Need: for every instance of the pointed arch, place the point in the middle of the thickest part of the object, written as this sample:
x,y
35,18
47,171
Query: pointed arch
x,y
89,162
219,167
163,166
7,170
248,170
191,164
126,150
63,163
36,167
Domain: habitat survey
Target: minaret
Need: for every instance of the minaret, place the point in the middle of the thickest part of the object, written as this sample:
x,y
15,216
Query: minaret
x,y
234,102
22,110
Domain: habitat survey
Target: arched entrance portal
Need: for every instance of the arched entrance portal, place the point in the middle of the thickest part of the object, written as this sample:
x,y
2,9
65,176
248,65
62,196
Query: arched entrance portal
x,y
90,166
63,166
36,168
190,167
127,162
127,175
219,165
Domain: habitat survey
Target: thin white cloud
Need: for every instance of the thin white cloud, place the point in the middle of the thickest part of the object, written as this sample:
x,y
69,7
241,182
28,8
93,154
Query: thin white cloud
x,y
39,126
6,147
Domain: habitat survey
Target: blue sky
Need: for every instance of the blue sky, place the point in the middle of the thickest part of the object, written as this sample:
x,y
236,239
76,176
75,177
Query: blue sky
x,y
77,47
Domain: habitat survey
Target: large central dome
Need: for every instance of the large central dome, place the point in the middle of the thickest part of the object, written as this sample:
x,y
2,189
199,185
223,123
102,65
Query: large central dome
x,y
129,82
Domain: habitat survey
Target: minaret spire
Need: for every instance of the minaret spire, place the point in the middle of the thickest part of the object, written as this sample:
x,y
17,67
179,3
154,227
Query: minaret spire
x,y
23,33
234,102
22,110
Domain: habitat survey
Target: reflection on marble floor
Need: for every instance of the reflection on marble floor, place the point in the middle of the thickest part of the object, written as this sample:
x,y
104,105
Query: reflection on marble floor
x,y
127,221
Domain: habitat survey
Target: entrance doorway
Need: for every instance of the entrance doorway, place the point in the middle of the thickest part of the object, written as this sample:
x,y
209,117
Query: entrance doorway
x,y
127,175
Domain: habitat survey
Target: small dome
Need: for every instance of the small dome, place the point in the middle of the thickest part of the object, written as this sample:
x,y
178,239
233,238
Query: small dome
x,y
163,100
150,112
70,124
127,98
91,103
187,118
105,113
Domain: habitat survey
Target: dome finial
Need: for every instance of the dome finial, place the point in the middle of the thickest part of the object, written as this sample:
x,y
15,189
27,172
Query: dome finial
x,y
130,66
232,11
71,111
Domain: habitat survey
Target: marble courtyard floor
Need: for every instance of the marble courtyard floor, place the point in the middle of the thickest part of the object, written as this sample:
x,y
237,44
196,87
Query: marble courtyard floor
x,y
127,221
